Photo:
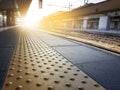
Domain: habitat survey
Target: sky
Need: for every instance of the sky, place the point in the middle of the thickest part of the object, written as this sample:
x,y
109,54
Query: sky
x,y
34,13
51,6
63,5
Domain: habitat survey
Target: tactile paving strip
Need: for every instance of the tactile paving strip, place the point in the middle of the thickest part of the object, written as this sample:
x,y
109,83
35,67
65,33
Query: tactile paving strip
x,y
36,66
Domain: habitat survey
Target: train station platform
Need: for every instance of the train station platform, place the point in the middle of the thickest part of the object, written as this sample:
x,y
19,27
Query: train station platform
x,y
34,59
115,33
31,64
8,40
6,28
108,40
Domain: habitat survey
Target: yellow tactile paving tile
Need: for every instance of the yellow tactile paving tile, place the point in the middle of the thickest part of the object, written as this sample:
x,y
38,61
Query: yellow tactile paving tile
x,y
36,66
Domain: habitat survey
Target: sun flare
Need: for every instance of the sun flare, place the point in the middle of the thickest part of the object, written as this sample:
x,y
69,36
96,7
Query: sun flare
x,y
32,16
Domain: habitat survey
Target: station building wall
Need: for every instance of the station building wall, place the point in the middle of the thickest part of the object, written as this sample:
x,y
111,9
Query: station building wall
x,y
109,21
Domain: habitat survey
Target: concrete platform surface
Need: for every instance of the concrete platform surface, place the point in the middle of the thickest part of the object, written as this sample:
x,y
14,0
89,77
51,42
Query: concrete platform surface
x,y
42,61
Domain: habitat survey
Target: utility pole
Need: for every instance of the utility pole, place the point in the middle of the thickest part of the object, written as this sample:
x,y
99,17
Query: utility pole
x,y
70,6
40,4
85,2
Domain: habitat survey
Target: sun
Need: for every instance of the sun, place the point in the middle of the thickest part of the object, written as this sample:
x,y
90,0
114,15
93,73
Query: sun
x,y
33,15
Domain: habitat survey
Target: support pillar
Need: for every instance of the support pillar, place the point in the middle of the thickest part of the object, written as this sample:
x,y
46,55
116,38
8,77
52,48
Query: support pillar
x,y
73,24
3,18
13,18
10,18
85,23
104,23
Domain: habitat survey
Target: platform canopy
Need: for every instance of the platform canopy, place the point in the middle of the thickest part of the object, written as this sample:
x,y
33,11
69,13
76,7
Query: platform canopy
x,y
16,5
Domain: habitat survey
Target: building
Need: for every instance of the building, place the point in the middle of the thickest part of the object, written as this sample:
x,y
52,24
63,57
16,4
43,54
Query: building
x,y
101,16
9,10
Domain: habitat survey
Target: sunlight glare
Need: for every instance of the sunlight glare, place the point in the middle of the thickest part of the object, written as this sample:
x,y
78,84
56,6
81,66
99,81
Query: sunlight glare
x,y
32,15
